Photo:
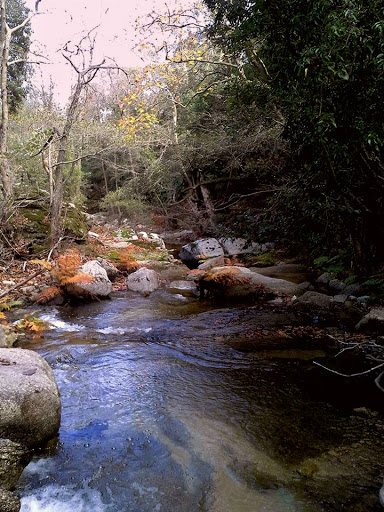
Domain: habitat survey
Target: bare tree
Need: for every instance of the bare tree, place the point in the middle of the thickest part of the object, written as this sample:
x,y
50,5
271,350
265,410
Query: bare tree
x,y
80,57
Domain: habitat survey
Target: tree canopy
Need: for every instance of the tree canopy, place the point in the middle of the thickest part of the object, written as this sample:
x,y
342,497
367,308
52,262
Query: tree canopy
x,y
325,62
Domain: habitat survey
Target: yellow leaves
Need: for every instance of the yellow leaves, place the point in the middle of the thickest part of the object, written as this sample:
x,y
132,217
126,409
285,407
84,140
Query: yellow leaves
x,y
43,263
2,316
32,324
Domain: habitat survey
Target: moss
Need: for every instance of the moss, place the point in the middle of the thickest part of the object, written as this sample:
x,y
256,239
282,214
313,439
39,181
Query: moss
x,y
74,223
37,218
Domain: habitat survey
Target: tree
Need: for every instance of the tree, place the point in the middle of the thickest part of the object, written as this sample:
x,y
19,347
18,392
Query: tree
x,y
326,67
10,31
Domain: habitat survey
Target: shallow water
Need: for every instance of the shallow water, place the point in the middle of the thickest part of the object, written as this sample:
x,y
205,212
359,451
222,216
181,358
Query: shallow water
x,y
171,406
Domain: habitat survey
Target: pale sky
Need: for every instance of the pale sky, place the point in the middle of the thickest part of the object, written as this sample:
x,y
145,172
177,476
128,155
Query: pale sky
x,y
67,20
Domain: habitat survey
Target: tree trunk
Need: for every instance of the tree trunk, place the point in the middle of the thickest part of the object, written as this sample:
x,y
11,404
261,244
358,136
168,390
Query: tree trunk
x,y
5,40
58,194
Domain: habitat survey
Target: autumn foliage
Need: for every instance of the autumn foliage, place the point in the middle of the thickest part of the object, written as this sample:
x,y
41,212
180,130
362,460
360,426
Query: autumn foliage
x,y
65,272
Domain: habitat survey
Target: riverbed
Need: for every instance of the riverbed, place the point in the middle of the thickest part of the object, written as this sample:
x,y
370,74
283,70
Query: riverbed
x,y
171,404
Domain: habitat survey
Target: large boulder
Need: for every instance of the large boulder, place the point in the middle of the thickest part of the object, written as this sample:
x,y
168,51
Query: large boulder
x,y
239,282
111,270
29,398
234,246
101,286
13,459
316,299
191,254
144,281
372,321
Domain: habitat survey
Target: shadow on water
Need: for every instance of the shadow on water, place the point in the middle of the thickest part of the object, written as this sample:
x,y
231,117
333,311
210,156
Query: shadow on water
x,y
168,406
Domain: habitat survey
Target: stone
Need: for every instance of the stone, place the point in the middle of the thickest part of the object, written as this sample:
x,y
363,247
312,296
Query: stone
x,y
101,286
111,270
373,321
336,286
92,234
186,288
191,254
340,299
240,282
168,271
212,263
144,281
234,246
29,398
317,299
323,279
13,459
7,336
352,289
9,502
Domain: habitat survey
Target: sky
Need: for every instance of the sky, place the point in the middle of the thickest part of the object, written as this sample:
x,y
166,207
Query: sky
x,y
61,21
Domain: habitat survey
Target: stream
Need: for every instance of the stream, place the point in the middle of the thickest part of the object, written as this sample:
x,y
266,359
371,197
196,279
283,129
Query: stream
x,y
170,405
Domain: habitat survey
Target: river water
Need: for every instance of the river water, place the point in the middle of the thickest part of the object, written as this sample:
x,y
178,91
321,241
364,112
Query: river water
x,y
170,405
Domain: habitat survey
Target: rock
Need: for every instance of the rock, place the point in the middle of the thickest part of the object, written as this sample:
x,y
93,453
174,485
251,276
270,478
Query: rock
x,y
119,245
340,299
373,321
363,300
29,398
13,459
143,281
168,271
111,270
152,238
381,494
323,279
9,502
316,299
101,286
178,236
186,288
234,246
352,289
239,282
336,286
192,253
7,337
92,234
212,263
293,272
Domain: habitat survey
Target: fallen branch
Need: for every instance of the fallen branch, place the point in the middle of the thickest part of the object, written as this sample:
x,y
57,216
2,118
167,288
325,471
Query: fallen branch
x,y
4,294
352,374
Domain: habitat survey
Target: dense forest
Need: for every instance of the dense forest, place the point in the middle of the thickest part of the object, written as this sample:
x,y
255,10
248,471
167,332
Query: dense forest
x,y
249,119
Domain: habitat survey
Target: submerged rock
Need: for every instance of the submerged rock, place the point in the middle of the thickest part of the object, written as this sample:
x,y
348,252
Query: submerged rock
x,y
187,288
29,398
144,281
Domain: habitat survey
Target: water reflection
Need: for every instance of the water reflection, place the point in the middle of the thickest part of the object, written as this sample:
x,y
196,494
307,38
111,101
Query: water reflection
x,y
163,410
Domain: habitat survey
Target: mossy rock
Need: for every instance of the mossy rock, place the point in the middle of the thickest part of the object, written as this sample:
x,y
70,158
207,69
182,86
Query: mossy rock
x,y
75,223
37,220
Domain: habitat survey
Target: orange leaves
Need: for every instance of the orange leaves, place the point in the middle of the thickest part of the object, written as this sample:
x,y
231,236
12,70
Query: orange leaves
x,y
226,277
48,294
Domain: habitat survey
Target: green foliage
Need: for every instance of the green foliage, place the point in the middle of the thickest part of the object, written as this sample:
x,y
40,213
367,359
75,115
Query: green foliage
x,y
19,72
267,259
325,63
